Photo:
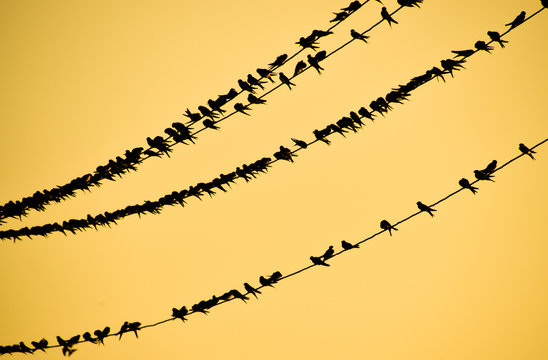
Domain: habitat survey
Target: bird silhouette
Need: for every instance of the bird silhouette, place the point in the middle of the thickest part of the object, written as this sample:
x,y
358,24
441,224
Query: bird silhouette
x,y
480,175
179,313
285,80
517,21
267,74
208,123
544,3
356,35
464,53
87,336
320,135
426,208
347,246
492,166
318,261
482,46
525,150
340,16
250,289
239,107
314,63
254,81
308,42
495,36
466,185
280,60
320,33
299,68
284,154
265,282
40,345
328,253
353,6
300,143
245,86
385,225
252,99
386,16
409,3
102,334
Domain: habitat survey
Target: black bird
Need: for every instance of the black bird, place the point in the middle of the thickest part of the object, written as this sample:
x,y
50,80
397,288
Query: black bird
x,y
87,336
463,53
250,289
385,225
340,16
353,6
308,42
544,3
518,20
409,3
280,60
314,63
40,345
328,253
320,33
348,246
255,100
386,16
466,185
254,82
426,208
495,36
284,154
299,68
300,143
524,149
192,116
492,166
285,80
481,45
179,313
321,136
206,112
208,123
276,275
267,74
356,35
265,282
102,334
245,86
238,295
318,261
480,175
241,108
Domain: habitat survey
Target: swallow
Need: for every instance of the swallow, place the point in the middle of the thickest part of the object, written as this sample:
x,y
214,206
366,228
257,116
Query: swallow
x,y
314,63
208,123
348,246
480,175
206,112
353,6
517,21
266,74
385,225
321,136
250,289
254,82
436,72
340,16
238,295
426,208
280,60
252,99
179,313
464,53
318,261
192,116
525,150
451,65
328,253
492,166
40,345
87,336
245,86
285,80
320,33
357,36
544,3
410,3
24,348
365,113
123,329
466,185
299,68
241,108
265,282
481,45
308,42
495,36
386,16
300,143
284,154
101,335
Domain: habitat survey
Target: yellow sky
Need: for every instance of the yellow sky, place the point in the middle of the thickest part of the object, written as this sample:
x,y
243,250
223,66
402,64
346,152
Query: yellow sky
x,y
82,82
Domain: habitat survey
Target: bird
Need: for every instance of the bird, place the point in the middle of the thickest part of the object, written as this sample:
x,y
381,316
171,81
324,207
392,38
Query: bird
x,y
385,225
409,3
250,289
466,185
280,60
320,33
544,3
480,175
321,136
517,21
356,35
241,108
87,336
208,123
179,313
245,86
328,253
525,150
340,16
426,208
481,45
314,63
495,36
254,82
267,74
347,246
492,166
464,53
285,80
299,68
300,143
255,100
318,261
353,6
265,282
386,16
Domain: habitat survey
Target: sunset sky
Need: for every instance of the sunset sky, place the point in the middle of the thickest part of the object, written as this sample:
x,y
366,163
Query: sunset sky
x,y
84,81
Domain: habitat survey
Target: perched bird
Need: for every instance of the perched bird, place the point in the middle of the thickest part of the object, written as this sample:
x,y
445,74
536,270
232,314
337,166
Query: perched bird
x,y
206,112
265,282
179,313
524,149
208,123
328,253
321,136
463,53
481,45
300,143
320,33
426,208
492,166
299,68
245,86
102,334
241,108
386,16
314,63
254,82
255,100
308,42
544,3
517,21
340,16
356,35
40,345
284,154
385,225
480,175
280,60
495,36
250,289
267,74
318,261
87,336
348,246
409,3
284,80
353,6
466,185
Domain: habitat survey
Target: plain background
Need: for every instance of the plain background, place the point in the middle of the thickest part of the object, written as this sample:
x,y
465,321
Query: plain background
x,y
83,81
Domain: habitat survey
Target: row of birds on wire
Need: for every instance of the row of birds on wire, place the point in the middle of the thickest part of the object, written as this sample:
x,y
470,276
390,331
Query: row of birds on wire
x,y
353,122
204,306
210,115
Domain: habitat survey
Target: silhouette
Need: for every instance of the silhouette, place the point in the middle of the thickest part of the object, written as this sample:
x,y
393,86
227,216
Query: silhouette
x,y
517,21
245,86
410,3
466,185
40,345
285,80
284,154
348,246
320,135
299,68
267,74
239,107
524,149
386,16
353,6
480,175
320,33
463,53
481,45
314,61
356,35
180,313
102,334
300,143
68,344
250,289
328,253
451,65
308,42
254,82
340,16
87,336
210,124
280,60
544,3
385,225
492,166
265,282
425,208
318,261
495,36
206,112
252,99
